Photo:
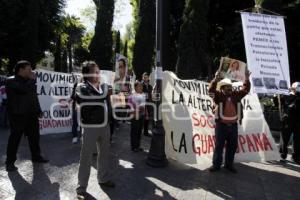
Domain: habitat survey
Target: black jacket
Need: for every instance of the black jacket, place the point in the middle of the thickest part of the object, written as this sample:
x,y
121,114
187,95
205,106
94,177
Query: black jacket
x,y
291,109
22,98
147,89
94,107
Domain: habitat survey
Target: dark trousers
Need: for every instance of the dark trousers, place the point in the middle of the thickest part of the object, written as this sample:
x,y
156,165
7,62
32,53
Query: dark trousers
x,y
111,126
136,131
225,133
29,126
3,116
285,136
147,119
146,125
74,124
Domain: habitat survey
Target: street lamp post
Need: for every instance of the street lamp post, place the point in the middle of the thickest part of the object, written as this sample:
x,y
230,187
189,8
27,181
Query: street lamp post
x,y
157,156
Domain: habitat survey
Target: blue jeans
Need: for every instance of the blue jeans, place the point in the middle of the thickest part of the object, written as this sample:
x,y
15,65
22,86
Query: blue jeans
x,y
228,133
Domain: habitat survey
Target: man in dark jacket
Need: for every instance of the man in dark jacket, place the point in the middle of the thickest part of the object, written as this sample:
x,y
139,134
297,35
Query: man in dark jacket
x,y
23,110
290,123
228,110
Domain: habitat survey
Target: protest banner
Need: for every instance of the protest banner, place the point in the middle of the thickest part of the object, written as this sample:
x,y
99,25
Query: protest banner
x,y
118,100
233,69
118,57
54,90
266,50
189,124
107,77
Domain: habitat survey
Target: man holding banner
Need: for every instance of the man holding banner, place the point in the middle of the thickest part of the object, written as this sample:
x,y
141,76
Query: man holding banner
x,y
228,111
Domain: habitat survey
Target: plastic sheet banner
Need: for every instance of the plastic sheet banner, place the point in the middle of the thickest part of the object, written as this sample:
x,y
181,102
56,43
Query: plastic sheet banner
x,y
54,91
266,50
233,69
190,124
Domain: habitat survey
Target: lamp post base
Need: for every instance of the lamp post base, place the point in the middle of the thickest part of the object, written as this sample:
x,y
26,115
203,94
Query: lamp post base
x,y
157,157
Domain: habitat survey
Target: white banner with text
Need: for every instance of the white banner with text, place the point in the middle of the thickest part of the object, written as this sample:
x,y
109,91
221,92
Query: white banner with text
x,y
190,124
267,54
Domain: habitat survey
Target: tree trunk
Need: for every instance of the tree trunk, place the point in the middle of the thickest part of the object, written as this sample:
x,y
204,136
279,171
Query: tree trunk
x,y
194,60
101,44
144,47
65,61
125,51
31,48
70,56
57,55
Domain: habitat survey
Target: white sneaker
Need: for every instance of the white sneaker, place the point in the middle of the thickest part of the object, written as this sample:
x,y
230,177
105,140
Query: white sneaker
x,y
75,140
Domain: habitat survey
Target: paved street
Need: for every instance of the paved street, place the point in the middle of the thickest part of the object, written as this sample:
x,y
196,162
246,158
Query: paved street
x,y
135,180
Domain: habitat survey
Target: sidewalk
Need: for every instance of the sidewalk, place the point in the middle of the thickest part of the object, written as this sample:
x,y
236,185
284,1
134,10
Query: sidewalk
x,y
135,180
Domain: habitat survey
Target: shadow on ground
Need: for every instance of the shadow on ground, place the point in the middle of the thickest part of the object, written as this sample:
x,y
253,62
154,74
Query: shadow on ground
x,y
136,180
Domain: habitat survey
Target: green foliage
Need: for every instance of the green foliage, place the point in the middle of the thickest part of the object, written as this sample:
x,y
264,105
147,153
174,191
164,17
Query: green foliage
x,y
225,35
89,14
101,45
125,49
81,50
290,9
86,40
258,2
118,42
27,28
80,55
173,19
131,29
74,30
135,13
143,52
69,34
129,36
267,102
3,62
225,30
194,57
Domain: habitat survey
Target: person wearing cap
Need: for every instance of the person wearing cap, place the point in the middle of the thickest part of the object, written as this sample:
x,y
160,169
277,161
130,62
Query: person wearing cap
x,y
147,90
228,112
290,125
